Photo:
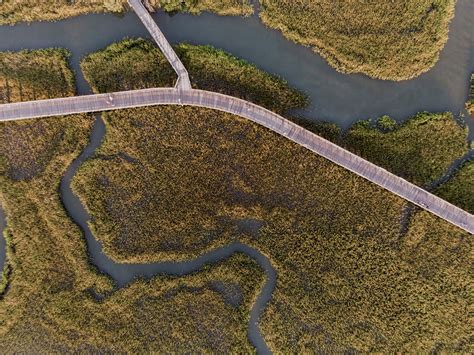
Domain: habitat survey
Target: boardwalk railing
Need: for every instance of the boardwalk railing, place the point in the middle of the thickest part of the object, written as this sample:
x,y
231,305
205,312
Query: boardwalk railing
x,y
183,94
257,114
183,81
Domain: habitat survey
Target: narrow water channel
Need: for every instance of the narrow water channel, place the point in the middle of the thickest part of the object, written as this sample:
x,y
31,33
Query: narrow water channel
x,y
335,97
123,274
339,98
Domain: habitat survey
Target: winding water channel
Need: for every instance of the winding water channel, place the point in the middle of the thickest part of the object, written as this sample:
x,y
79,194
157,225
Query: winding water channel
x,y
126,273
335,97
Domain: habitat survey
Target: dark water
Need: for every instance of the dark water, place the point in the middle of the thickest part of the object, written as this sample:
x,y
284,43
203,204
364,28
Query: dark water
x,y
123,274
335,97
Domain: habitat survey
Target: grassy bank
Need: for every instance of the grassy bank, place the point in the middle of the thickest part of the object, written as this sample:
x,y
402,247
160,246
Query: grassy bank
x,y
470,102
34,75
431,143
385,39
138,64
419,150
6,272
13,11
347,278
49,305
460,189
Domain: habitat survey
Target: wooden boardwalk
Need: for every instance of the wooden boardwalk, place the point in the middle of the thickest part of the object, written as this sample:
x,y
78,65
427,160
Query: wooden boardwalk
x,y
257,114
183,81
183,94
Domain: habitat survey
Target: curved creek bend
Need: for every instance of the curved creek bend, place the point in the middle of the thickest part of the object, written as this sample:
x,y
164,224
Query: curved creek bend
x,y
335,97
123,274
340,98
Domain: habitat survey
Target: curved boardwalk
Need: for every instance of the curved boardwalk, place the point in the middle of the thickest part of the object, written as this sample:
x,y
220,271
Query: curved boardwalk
x,y
183,94
257,114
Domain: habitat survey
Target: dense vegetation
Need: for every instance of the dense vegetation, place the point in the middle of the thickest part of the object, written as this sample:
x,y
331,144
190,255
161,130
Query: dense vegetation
x,y
138,63
210,69
221,7
460,189
13,11
49,303
141,65
348,278
384,39
216,70
470,102
431,143
34,75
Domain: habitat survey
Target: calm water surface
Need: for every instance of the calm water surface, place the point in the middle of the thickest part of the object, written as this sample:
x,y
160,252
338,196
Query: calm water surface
x,y
335,97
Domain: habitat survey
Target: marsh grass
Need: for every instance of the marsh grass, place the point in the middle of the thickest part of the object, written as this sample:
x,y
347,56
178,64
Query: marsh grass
x,y
431,143
138,64
470,102
216,70
384,39
460,188
50,303
127,65
13,11
348,280
221,7
7,268
35,75
343,281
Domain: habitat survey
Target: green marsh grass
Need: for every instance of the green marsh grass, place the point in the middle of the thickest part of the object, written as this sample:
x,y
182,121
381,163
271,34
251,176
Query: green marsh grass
x,y
349,279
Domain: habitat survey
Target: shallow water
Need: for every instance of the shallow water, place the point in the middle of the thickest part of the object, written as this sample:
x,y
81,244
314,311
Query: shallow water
x,y
335,97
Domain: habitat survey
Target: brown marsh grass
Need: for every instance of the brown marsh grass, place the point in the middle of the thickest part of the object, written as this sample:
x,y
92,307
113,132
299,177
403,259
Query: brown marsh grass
x,y
385,39
13,11
48,301
348,278
35,75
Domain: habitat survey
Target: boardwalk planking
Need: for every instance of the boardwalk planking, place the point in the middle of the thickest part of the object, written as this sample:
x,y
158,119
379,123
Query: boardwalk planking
x,y
183,94
257,114
183,81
